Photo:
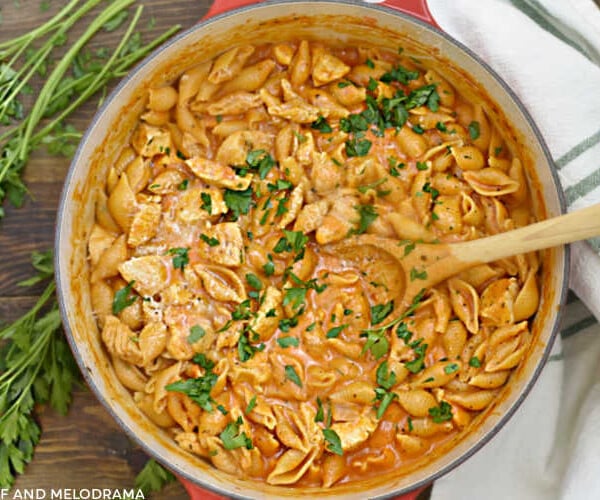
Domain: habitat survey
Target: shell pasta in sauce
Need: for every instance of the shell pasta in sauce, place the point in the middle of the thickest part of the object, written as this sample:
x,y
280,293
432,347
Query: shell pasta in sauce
x,y
226,312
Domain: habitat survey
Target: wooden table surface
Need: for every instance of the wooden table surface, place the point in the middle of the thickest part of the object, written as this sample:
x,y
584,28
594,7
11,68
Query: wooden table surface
x,y
86,448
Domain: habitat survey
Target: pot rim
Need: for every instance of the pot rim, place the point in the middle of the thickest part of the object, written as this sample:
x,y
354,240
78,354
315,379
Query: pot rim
x,y
63,207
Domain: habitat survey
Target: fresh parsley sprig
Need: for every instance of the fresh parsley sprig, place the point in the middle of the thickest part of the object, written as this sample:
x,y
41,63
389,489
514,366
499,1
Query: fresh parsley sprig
x,y
36,367
61,93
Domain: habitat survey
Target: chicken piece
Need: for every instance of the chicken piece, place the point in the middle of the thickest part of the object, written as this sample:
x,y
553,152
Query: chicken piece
x,y
145,224
228,249
217,174
326,67
121,341
149,140
149,274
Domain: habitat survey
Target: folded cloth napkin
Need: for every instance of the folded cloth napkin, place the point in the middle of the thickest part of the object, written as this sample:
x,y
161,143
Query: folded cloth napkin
x,y
548,51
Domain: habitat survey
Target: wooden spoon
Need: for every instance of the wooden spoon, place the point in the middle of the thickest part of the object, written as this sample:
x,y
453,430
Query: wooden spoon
x,y
405,270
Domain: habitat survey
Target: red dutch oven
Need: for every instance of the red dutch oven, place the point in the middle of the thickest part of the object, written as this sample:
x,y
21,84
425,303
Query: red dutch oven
x,y
391,24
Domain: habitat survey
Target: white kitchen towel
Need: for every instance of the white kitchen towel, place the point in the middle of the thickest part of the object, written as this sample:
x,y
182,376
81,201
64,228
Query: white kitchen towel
x,y
548,51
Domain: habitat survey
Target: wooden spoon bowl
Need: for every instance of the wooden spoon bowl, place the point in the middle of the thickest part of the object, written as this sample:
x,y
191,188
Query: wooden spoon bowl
x,y
420,266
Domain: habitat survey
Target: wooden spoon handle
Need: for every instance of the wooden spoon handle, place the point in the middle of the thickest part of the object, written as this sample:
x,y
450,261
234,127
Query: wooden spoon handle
x,y
574,226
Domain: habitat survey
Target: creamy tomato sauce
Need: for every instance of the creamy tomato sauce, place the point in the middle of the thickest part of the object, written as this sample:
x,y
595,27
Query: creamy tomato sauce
x,y
225,305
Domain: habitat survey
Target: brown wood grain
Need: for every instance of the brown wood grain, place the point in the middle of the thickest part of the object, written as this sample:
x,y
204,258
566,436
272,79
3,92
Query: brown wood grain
x,y
86,448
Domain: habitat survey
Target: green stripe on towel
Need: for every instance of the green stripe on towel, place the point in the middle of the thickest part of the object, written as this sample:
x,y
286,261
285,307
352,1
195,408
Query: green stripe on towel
x,y
540,16
578,150
577,327
583,187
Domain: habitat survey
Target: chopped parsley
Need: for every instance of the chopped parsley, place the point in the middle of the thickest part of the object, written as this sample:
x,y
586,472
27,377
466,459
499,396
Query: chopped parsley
x,y
290,374
210,241
196,333
123,298
386,380
451,368
232,438
321,125
441,413
239,202
261,161
180,257
245,349
415,274
367,215
358,147
206,202
475,362
474,130
197,389
335,332
288,341
254,281
251,405
381,311
334,444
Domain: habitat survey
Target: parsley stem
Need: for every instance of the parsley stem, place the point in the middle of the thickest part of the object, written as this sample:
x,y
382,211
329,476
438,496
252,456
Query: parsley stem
x,y
41,103
10,46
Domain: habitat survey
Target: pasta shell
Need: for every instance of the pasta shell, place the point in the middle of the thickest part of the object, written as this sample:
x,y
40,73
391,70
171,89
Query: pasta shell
x,y
152,341
454,339
528,298
144,224
465,303
355,392
129,375
120,341
489,380
416,402
474,401
221,283
491,182
291,466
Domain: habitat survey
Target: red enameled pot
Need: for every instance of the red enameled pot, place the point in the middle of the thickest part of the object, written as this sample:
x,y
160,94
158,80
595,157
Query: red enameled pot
x,y
391,24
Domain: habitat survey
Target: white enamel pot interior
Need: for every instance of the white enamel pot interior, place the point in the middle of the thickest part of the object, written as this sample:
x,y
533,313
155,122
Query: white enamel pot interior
x,y
340,21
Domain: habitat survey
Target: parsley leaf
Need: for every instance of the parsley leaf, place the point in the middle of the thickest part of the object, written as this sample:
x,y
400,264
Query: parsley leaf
x,y
367,215
290,374
245,349
232,438
254,281
239,202
381,311
358,147
251,405
153,477
288,342
210,241
334,442
181,257
206,202
196,333
335,331
441,413
474,130
399,74
474,362
123,298
197,389
321,125
260,160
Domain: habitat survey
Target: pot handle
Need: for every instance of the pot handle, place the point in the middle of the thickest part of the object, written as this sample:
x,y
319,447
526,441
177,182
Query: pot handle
x,y
197,493
416,8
